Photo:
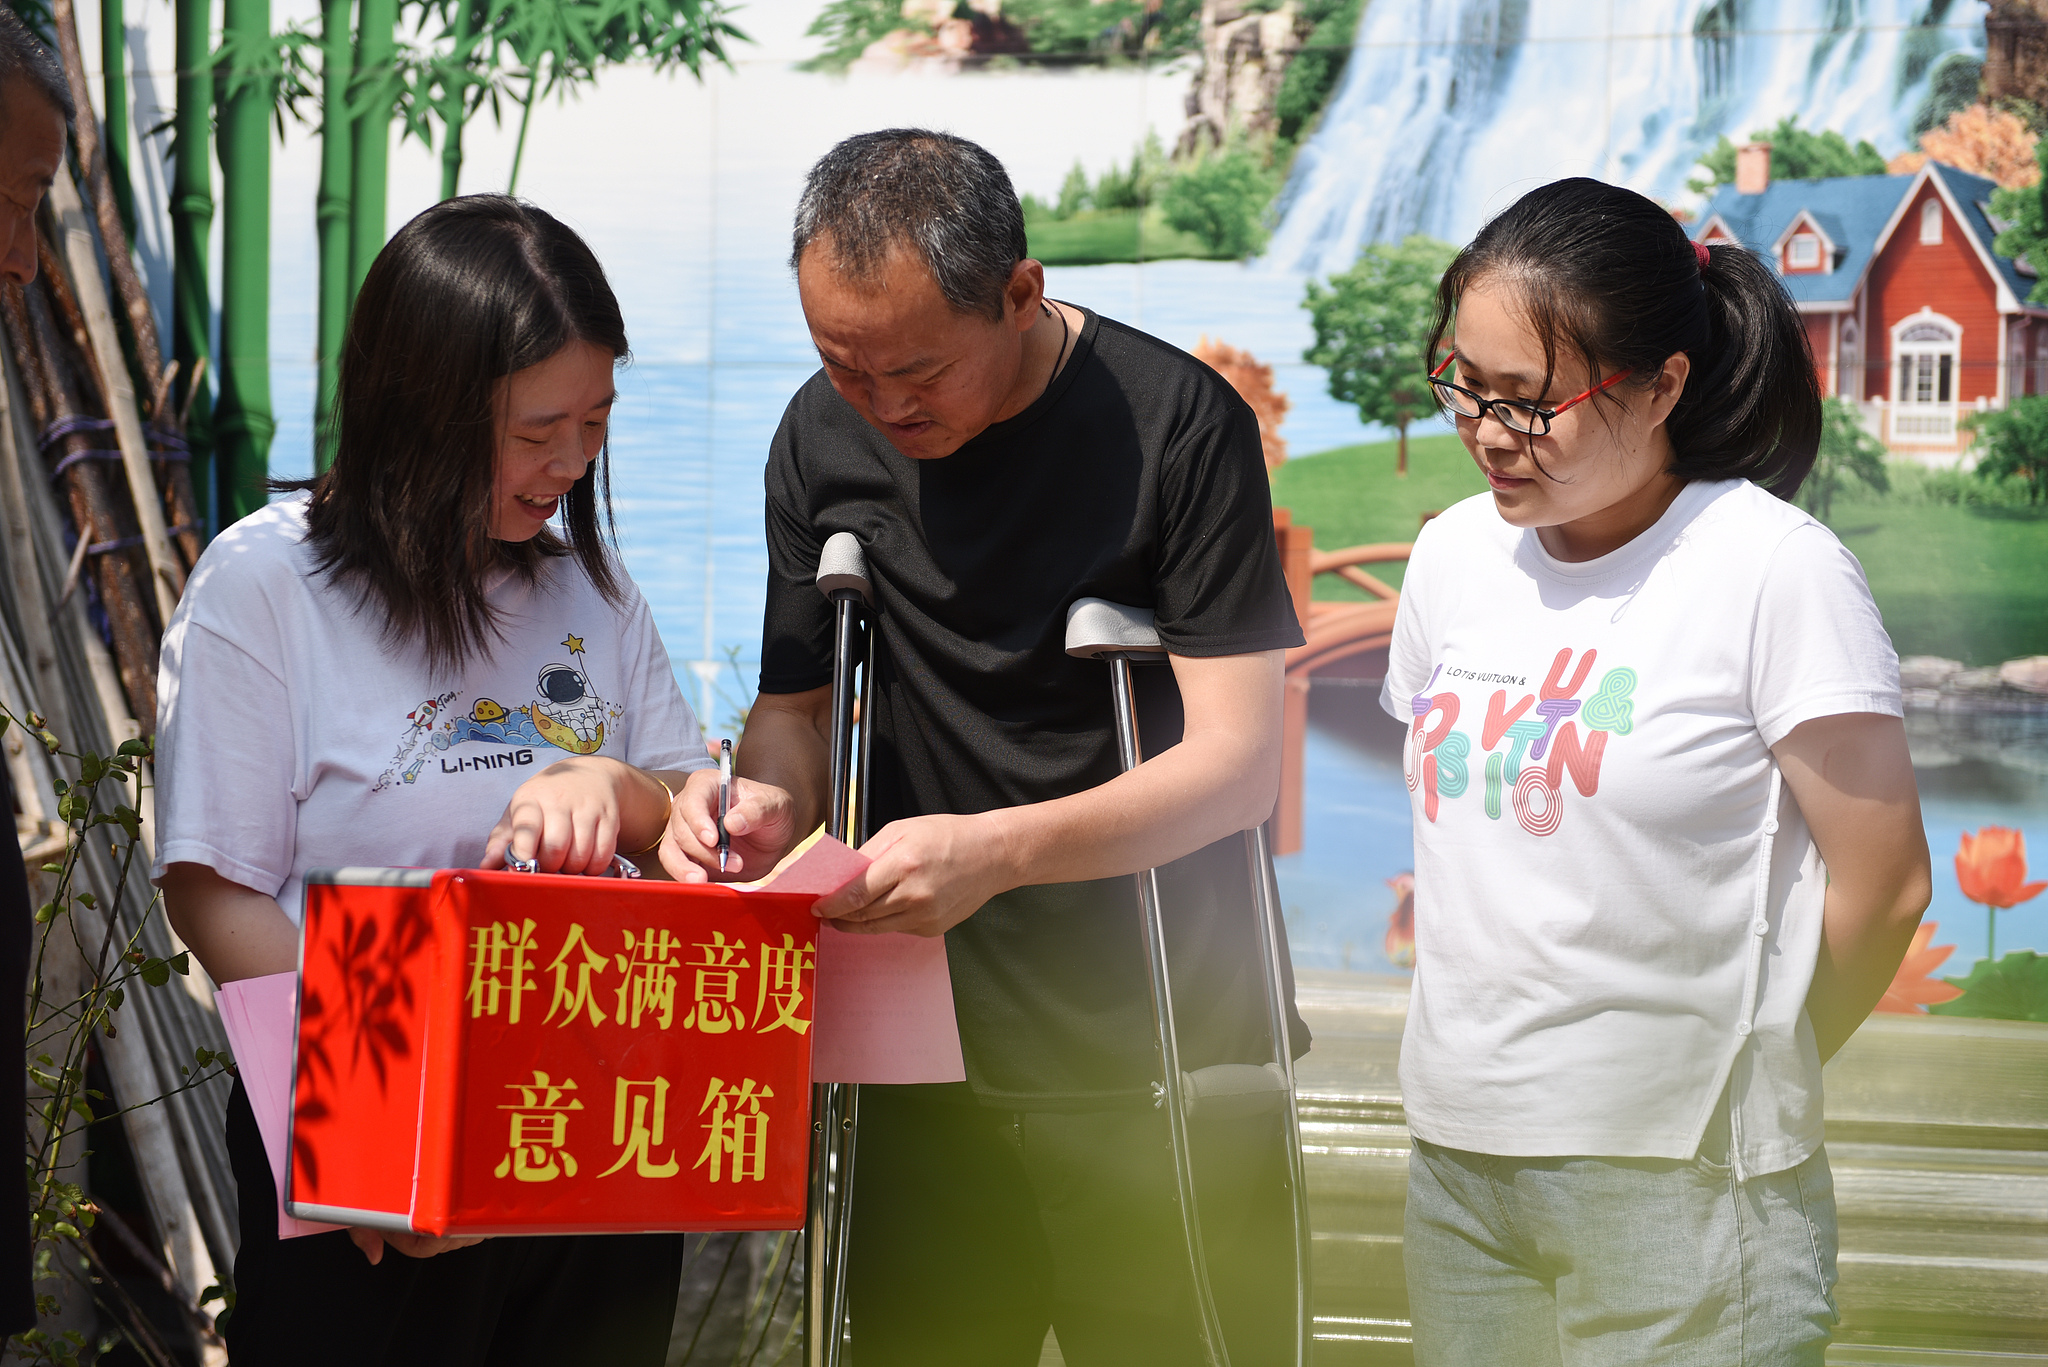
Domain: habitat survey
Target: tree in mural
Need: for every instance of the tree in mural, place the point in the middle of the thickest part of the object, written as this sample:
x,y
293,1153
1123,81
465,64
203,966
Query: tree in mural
x,y
1371,323
2025,213
1847,452
2012,443
1993,143
1796,154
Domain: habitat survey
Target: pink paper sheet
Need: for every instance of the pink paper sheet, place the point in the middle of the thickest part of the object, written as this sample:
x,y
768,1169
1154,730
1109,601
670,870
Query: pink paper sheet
x,y
885,1002
260,1016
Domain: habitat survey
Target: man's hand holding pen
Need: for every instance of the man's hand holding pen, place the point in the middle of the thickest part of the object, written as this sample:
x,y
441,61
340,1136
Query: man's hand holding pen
x,y
759,828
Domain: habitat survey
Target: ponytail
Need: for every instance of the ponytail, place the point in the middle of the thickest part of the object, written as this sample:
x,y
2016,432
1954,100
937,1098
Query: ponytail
x,y
1610,276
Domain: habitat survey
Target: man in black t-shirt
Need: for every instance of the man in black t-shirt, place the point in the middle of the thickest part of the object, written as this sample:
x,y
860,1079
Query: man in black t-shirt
x,y
1000,455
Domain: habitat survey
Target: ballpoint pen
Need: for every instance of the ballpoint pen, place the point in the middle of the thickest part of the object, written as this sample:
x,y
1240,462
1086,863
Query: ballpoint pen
x,y
724,801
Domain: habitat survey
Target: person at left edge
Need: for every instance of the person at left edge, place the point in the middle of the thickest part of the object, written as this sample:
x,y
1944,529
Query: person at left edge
x,y
35,110
428,657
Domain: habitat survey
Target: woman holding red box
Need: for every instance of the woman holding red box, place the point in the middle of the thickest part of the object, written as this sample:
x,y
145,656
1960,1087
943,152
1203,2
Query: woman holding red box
x,y
430,658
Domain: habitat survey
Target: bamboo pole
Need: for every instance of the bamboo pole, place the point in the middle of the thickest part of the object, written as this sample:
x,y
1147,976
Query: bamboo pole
x,y
106,184
38,642
93,151
191,230
114,102
455,98
376,52
167,574
243,424
116,573
157,1031
337,63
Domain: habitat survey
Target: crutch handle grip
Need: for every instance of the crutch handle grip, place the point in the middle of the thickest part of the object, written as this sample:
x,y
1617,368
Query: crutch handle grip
x,y
843,565
1229,1090
1098,627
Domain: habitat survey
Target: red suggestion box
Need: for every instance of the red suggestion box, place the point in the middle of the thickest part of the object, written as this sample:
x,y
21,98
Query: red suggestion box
x,y
486,1052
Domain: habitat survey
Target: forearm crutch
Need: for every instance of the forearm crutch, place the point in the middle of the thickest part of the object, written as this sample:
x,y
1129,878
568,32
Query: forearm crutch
x,y
1123,636
835,1107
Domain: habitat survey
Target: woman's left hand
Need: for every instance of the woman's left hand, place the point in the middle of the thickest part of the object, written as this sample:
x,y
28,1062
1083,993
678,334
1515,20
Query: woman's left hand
x,y
569,818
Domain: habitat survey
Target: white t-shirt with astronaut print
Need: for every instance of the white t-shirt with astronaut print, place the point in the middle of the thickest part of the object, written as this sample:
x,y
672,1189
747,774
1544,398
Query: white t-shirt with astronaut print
x,y
291,736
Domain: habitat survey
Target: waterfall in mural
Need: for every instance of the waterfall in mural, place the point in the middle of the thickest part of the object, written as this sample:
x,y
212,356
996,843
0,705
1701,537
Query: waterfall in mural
x,y
1451,108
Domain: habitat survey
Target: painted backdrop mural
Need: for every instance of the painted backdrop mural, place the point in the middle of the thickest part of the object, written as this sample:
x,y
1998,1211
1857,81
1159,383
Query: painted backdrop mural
x,y
1193,167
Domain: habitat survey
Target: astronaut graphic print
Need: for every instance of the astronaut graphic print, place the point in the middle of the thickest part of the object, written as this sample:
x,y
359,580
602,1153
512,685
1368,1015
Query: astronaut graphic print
x,y
568,712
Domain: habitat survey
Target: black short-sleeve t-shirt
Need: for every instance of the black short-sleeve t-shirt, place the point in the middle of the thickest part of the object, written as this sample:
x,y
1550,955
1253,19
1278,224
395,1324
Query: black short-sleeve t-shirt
x,y
1137,477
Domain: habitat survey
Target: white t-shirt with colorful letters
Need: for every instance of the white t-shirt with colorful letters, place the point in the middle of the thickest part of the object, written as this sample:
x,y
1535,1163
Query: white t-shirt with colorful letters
x,y
1617,904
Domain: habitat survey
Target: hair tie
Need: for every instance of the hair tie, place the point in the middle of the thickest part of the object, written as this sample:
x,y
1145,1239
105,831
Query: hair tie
x,y
1706,258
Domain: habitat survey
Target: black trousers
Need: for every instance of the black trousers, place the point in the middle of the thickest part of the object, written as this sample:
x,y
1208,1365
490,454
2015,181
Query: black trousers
x,y
975,1229
604,1300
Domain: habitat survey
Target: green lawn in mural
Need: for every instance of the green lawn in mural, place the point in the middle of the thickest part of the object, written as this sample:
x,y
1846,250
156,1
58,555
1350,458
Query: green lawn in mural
x,y
1963,579
1096,237
1352,497
1959,567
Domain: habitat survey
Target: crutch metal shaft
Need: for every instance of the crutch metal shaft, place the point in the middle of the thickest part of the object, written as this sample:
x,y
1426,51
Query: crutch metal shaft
x,y
835,1107
1101,630
1273,943
1169,1091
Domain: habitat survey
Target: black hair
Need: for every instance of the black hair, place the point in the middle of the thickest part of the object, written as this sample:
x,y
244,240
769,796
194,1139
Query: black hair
x,y
947,199
24,57
1611,276
465,294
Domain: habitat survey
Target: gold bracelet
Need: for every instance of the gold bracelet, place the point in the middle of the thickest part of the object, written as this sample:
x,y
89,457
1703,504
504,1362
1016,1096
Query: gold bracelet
x,y
665,816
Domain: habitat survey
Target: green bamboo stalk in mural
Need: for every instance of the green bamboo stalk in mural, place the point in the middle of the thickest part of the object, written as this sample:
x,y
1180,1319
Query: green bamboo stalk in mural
x,y
243,424
455,95
337,66
191,227
114,101
371,104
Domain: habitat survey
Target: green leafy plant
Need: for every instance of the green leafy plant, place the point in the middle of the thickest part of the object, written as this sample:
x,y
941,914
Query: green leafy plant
x,y
848,26
1847,452
1796,154
1371,323
1313,75
2026,218
1106,28
1222,198
1121,187
102,962
2015,988
2012,444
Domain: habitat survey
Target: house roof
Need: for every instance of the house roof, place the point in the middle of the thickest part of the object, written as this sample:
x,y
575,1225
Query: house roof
x,y
1970,195
1852,210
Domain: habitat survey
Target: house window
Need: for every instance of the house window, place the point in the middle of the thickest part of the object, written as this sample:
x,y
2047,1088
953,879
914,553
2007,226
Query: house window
x,y
1930,223
1804,253
1925,381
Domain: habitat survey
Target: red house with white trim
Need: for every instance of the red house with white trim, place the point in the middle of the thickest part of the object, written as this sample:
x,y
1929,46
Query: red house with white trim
x,y
1910,310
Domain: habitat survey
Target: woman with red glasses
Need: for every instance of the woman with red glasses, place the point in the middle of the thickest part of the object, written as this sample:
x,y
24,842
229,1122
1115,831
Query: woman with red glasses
x,y
1668,845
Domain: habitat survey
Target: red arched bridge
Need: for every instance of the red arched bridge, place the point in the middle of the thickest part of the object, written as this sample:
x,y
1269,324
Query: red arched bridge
x,y
1336,631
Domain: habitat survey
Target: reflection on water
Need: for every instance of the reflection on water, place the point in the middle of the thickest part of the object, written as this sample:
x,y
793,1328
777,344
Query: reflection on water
x,y
1356,833
1974,769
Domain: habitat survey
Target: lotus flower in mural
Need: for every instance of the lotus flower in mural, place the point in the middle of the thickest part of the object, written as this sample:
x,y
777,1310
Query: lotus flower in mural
x,y
1401,923
1915,987
1991,866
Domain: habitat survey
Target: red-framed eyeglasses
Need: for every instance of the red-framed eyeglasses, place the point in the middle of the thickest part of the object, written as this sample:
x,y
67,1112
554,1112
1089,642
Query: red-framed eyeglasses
x,y
1517,415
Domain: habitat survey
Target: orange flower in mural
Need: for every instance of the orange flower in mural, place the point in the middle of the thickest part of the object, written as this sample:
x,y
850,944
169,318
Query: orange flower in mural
x,y
1915,988
1401,924
1992,867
